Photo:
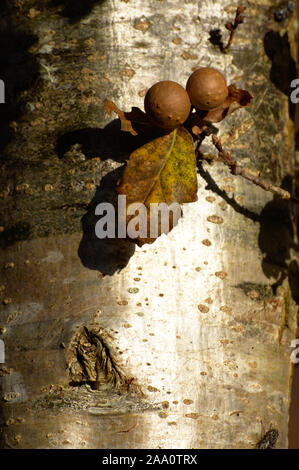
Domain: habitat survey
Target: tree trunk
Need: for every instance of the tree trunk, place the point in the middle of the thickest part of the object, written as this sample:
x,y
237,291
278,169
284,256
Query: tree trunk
x,y
184,343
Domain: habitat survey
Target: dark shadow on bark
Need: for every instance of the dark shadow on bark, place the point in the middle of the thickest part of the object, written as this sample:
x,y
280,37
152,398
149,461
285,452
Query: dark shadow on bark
x,y
75,10
276,239
283,69
293,274
19,72
276,236
106,255
216,38
212,185
18,232
108,143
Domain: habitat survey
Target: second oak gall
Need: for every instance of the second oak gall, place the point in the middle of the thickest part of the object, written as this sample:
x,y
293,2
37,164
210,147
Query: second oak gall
x,y
206,88
168,104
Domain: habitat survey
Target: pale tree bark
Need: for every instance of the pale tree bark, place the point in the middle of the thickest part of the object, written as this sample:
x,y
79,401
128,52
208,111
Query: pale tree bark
x,y
184,343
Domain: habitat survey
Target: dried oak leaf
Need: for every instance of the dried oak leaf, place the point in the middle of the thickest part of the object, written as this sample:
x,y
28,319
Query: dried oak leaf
x,y
236,99
135,121
161,171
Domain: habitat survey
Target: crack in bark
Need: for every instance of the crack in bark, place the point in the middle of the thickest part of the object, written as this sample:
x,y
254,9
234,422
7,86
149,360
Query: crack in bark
x,y
90,360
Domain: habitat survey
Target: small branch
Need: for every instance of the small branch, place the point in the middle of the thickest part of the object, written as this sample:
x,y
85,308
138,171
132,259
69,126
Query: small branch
x,y
232,27
247,173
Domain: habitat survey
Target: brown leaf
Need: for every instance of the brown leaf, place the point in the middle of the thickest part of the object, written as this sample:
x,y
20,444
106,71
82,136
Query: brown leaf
x,y
135,121
161,171
236,99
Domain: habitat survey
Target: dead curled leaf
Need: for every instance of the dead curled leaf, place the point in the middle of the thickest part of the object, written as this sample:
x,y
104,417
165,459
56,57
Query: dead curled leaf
x,y
236,99
136,121
161,171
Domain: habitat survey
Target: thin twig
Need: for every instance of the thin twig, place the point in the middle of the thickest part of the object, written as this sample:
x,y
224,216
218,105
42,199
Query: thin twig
x,y
232,27
251,175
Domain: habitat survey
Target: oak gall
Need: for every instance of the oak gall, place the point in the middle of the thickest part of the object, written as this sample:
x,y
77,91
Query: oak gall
x,y
206,88
168,104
